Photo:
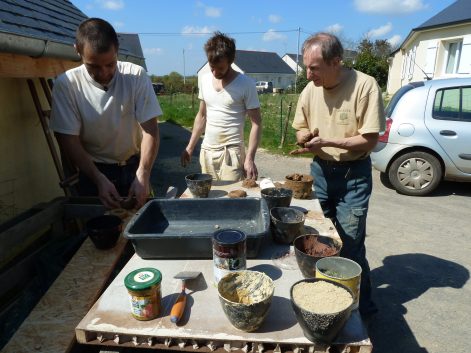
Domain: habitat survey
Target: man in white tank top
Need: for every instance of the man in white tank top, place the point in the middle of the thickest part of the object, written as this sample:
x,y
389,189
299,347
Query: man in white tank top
x,y
227,96
104,117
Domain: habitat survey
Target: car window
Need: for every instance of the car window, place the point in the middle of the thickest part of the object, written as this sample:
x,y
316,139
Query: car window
x,y
452,104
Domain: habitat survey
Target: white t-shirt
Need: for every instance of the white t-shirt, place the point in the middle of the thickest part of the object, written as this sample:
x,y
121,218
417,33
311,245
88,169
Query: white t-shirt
x,y
106,121
226,109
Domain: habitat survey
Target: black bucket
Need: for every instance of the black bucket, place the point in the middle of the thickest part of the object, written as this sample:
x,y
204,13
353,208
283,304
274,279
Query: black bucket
x,y
104,230
277,197
199,184
287,224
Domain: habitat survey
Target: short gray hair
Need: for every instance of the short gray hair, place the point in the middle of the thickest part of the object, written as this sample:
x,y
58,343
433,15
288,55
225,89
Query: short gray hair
x,y
331,47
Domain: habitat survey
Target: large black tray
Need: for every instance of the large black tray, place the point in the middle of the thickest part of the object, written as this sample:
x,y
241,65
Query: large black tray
x,y
183,228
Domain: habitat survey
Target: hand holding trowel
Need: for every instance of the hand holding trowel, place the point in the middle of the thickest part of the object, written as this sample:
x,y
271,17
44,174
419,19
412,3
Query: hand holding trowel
x,y
179,306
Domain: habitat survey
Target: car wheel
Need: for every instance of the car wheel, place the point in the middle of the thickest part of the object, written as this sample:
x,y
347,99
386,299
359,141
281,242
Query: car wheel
x,y
415,173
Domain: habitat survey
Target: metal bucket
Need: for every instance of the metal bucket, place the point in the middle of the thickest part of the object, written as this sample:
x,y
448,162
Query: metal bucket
x,y
341,270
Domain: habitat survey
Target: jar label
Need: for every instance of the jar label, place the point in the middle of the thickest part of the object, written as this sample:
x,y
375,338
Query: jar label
x,y
144,276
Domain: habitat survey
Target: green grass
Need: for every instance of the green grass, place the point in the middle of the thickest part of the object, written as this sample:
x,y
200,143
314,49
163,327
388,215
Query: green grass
x,y
182,108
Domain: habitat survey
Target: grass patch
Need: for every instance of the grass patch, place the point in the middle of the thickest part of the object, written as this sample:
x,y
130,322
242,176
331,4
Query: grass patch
x,y
181,109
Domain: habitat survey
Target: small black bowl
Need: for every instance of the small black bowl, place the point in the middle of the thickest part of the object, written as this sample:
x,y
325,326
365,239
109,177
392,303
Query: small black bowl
x,y
321,327
104,230
277,197
287,224
199,184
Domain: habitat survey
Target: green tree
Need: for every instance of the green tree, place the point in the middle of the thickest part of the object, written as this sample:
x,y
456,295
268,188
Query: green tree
x,y
372,59
301,81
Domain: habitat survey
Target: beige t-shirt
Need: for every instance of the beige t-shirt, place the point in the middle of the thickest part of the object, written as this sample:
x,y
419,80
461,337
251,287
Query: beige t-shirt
x,y
226,110
106,121
352,108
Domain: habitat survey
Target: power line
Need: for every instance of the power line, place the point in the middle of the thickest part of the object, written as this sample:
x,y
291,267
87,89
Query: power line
x,y
174,34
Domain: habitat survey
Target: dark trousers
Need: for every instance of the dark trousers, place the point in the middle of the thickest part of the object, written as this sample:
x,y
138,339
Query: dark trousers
x,y
121,176
344,190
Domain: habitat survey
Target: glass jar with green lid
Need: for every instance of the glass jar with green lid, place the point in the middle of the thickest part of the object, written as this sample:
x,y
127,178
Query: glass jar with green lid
x,y
143,286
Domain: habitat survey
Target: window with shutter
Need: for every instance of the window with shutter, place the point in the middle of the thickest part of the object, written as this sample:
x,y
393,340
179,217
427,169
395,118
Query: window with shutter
x,y
431,58
465,59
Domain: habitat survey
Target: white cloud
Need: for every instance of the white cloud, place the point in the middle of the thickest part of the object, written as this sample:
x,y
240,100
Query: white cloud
x,y
197,30
334,29
390,6
153,51
380,31
274,18
213,11
395,40
111,4
271,35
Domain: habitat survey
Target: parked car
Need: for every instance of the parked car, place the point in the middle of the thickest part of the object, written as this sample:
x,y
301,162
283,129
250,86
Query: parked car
x,y
159,88
427,136
264,86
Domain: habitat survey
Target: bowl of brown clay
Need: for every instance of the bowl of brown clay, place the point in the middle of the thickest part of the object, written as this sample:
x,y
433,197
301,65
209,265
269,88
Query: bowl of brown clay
x,y
300,184
199,184
245,297
322,307
309,248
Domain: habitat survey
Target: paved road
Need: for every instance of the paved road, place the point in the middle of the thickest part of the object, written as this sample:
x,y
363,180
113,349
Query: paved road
x,y
418,250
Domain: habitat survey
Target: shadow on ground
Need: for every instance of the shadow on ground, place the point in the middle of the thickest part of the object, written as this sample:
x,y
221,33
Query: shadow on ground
x,y
167,170
403,278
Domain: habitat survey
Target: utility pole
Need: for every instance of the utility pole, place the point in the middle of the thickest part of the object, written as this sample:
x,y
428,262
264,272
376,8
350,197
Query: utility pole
x,y
297,63
184,74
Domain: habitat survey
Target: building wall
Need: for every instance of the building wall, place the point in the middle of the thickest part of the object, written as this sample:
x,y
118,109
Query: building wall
x,y
426,53
27,172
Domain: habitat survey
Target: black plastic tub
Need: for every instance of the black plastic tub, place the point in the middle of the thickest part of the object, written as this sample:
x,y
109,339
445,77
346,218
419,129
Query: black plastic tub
x,y
183,228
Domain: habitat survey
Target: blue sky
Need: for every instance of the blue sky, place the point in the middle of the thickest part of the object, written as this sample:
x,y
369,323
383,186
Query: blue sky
x,y
173,32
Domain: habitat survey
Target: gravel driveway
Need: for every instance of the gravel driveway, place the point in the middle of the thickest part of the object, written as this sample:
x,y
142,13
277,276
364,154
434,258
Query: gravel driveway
x,y
418,248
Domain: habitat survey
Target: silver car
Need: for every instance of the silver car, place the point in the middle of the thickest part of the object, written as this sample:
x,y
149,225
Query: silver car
x,y
427,137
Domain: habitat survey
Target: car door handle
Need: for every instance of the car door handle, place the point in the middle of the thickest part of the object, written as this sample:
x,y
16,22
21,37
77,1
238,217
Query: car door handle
x,y
465,156
447,133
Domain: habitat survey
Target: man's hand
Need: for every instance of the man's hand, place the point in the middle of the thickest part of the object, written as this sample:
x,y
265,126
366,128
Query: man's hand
x,y
139,189
185,158
250,169
314,145
107,192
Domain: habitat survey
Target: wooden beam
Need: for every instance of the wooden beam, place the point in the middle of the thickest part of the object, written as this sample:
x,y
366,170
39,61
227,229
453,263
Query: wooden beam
x,y
21,66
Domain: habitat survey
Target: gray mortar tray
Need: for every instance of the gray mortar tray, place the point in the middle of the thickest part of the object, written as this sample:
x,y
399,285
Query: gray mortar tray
x,y
183,228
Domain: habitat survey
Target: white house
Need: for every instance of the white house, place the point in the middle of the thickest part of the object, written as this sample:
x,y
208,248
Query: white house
x,y
294,61
261,66
438,48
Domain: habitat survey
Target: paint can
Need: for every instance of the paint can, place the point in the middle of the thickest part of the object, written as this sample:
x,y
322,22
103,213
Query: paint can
x,y
145,294
229,252
341,270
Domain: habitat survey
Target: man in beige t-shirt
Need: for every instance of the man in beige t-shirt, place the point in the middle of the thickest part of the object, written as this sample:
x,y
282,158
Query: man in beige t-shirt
x,y
338,118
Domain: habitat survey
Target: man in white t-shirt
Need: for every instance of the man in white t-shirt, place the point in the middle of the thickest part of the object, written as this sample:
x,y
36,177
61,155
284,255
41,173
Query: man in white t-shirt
x,y
227,96
104,115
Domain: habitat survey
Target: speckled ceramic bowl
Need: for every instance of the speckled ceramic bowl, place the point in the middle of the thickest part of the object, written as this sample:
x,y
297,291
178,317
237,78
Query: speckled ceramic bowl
x,y
199,184
245,297
321,327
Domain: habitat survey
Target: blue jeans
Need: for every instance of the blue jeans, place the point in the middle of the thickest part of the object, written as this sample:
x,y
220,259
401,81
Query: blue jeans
x,y
344,190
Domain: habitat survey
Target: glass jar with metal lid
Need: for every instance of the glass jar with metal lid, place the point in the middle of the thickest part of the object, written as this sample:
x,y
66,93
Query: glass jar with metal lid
x,y
145,295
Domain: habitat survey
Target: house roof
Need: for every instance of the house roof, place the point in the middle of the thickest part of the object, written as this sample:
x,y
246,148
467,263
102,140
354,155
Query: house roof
x,y
46,28
261,62
458,12
293,57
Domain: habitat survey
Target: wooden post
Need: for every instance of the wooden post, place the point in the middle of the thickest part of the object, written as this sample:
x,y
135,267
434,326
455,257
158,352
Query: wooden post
x,y
285,130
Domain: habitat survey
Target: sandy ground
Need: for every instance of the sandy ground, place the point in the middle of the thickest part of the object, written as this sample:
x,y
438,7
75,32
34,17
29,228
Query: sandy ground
x,y
418,248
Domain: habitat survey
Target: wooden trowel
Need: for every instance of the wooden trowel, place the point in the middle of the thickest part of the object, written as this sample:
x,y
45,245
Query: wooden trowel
x,y
179,306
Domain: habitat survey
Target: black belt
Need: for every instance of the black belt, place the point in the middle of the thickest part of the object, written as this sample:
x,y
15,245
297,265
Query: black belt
x,y
338,163
130,161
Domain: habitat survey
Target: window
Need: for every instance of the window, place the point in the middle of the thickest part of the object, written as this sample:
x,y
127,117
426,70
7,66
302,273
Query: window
x,y
453,57
453,104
